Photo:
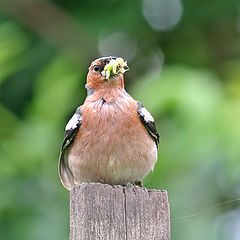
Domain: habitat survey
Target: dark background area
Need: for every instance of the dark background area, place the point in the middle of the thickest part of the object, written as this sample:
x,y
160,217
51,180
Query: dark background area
x,y
184,59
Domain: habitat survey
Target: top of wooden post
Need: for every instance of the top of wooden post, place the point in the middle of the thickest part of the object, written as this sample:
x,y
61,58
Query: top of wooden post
x,y
104,212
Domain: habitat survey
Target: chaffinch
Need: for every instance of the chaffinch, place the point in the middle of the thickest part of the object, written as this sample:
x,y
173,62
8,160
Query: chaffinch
x,y
111,138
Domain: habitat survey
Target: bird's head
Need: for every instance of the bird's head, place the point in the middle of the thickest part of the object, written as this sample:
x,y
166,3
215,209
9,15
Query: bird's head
x,y
106,71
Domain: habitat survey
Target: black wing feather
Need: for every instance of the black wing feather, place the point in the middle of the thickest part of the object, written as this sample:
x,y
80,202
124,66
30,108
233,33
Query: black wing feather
x,y
71,130
148,122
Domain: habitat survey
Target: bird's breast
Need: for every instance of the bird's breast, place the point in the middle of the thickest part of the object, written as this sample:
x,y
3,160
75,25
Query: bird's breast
x,y
109,113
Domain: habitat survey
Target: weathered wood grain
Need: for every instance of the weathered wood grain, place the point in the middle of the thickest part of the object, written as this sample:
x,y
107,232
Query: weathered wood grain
x,y
104,212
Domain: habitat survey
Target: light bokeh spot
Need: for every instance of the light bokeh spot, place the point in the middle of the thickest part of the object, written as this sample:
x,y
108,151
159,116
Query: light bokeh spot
x,y
162,14
117,44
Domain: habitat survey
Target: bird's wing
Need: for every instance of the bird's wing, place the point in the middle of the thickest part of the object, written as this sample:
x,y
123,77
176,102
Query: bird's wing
x,y
71,129
148,122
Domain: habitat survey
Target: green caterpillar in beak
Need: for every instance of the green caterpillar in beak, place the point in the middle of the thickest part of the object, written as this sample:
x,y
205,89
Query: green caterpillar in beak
x,y
114,67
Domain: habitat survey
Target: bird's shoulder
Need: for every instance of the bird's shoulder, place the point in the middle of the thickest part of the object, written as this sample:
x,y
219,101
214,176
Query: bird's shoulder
x,y
148,122
72,127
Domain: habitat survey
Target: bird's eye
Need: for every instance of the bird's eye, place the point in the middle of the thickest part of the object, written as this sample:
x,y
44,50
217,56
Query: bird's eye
x,y
96,68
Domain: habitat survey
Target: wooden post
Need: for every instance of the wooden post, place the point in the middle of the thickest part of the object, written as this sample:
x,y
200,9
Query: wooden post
x,y
104,212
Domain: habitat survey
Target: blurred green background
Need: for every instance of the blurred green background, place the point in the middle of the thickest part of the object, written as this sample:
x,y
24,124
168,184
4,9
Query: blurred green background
x,y
184,59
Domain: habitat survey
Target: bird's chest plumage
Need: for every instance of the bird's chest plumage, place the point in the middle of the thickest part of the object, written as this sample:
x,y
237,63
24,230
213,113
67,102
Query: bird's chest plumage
x,y
109,127
109,119
112,144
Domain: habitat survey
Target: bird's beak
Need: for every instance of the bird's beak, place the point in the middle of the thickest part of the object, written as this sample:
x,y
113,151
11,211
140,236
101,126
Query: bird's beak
x,y
114,67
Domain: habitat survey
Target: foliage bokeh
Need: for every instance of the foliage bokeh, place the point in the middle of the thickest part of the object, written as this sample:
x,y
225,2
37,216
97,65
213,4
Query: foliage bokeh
x,y
185,68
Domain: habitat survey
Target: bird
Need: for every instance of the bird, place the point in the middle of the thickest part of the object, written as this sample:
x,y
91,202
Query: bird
x,y
111,138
